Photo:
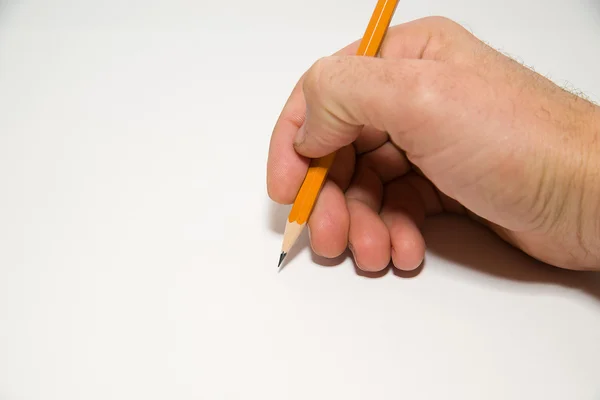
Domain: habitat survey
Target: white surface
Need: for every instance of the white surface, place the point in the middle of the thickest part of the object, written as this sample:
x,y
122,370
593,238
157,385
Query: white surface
x,y
128,270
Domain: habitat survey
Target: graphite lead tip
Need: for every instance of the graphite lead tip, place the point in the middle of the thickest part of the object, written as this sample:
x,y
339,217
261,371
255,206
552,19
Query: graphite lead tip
x,y
281,258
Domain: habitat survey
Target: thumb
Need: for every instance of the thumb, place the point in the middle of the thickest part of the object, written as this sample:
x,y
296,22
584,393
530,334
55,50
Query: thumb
x,y
345,93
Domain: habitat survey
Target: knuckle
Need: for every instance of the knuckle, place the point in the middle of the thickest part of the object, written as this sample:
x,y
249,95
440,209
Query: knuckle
x,y
443,23
445,37
442,27
448,85
322,75
428,89
313,83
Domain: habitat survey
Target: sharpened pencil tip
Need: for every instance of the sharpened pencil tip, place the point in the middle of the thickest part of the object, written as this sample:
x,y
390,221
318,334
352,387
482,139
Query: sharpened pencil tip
x,y
281,258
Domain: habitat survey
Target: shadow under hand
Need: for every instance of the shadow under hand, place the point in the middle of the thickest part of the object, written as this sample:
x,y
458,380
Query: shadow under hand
x,y
467,244
386,270
471,245
594,4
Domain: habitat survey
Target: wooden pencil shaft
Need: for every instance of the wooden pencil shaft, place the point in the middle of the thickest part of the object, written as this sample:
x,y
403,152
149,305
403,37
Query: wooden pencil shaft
x,y
377,28
319,167
309,191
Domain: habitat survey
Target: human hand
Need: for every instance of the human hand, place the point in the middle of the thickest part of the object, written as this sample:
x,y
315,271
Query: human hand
x,y
440,123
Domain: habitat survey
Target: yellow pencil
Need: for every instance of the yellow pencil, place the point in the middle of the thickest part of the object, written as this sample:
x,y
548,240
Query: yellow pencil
x,y
319,167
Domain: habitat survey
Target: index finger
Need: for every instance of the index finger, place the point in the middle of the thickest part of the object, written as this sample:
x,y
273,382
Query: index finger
x,y
286,168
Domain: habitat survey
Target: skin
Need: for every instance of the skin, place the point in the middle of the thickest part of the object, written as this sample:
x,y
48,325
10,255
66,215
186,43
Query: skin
x,y
440,122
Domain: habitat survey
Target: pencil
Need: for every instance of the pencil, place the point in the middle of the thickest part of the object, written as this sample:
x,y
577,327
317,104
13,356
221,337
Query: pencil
x,y
319,167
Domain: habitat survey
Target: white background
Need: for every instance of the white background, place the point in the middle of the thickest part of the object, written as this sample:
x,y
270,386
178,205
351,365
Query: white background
x,y
128,269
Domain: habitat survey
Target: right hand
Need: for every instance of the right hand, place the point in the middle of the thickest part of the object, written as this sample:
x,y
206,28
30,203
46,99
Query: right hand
x,y
440,122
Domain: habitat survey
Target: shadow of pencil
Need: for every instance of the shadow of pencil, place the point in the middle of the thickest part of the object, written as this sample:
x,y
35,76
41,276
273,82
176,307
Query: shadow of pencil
x,y
277,215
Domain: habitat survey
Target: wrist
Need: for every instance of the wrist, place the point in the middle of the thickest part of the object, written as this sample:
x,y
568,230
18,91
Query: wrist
x,y
574,198
590,204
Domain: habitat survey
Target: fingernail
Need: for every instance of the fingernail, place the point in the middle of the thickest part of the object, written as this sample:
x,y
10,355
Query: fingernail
x,y
353,255
300,135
